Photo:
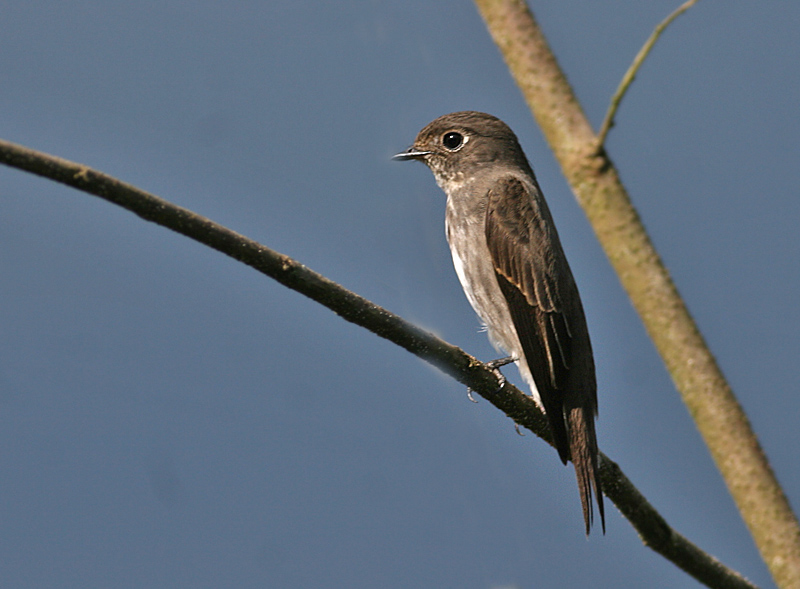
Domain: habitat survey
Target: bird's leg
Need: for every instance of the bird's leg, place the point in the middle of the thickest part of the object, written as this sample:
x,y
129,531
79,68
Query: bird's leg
x,y
495,366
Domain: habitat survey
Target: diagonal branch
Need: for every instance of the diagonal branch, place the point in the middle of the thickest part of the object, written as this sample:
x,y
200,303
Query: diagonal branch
x,y
629,76
652,528
598,188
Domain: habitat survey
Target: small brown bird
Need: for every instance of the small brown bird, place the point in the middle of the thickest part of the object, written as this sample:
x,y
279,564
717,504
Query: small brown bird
x,y
514,272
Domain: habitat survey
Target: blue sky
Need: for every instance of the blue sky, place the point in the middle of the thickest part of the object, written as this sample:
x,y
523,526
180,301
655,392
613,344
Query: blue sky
x,y
171,418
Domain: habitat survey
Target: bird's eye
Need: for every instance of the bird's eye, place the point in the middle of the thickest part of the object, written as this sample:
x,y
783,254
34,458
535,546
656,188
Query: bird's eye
x,y
453,140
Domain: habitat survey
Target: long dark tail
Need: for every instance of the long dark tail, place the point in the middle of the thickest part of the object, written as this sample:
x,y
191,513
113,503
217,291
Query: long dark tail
x,y
584,454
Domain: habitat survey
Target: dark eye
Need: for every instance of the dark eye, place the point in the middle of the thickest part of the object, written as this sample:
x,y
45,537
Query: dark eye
x,y
452,140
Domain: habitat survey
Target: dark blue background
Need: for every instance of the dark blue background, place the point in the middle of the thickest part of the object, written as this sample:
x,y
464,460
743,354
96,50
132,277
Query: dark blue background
x,y
170,418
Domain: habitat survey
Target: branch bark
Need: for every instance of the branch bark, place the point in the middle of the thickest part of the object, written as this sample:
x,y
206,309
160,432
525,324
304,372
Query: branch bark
x,y
596,184
652,528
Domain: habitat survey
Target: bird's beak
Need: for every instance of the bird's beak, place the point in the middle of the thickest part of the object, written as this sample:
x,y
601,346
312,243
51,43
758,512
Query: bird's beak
x,y
410,154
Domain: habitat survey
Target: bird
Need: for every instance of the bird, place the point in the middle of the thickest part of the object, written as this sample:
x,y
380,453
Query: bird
x,y
509,260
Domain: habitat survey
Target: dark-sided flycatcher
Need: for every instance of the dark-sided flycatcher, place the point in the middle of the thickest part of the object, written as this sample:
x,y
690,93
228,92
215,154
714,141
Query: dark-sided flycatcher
x,y
509,260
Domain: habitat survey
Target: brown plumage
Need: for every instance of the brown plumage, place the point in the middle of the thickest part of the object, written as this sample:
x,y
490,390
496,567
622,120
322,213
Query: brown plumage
x,y
514,272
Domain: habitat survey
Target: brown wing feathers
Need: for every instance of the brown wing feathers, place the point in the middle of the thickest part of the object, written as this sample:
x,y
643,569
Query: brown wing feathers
x,y
512,230
516,234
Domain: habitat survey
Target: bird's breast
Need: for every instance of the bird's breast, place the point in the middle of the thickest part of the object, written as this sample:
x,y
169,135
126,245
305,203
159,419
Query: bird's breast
x,y
466,234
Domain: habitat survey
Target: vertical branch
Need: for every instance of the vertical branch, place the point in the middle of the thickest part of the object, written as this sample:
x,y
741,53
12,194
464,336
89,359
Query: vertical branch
x,y
596,184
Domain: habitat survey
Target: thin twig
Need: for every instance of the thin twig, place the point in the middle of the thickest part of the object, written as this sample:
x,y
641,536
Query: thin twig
x,y
651,527
627,79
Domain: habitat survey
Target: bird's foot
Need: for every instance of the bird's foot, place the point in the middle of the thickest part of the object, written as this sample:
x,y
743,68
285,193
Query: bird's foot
x,y
495,366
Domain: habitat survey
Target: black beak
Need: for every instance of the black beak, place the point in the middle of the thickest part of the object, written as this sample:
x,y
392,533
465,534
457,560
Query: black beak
x,y
410,154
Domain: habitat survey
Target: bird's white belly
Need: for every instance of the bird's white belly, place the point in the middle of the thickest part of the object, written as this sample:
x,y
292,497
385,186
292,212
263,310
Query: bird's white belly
x,y
475,270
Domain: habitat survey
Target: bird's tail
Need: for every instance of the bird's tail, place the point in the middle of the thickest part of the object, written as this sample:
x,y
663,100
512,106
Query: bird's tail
x,y
584,454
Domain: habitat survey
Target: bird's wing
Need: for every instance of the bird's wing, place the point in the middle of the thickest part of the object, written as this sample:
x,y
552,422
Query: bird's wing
x,y
529,264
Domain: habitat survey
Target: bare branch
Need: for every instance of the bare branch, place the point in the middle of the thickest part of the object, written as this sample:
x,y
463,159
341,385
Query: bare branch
x,y
652,528
629,76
